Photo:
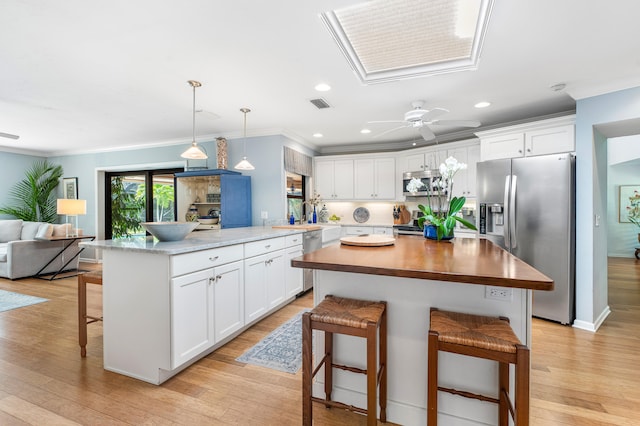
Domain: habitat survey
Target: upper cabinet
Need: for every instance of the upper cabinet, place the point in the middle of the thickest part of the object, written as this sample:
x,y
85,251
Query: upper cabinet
x,y
374,178
537,138
425,160
464,182
334,178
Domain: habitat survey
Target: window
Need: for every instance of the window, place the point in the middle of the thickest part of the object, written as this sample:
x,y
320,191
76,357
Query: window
x,y
138,196
295,195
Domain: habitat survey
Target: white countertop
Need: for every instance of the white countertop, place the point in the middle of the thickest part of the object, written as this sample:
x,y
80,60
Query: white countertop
x,y
195,241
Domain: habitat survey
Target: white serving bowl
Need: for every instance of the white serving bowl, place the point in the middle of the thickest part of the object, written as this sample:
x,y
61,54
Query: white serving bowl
x,y
208,220
170,231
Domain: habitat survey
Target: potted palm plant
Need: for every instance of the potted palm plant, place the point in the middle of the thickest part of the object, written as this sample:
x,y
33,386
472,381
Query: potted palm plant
x,y
441,213
33,197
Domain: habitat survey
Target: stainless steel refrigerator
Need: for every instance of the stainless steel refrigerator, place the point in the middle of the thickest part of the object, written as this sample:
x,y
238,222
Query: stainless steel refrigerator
x,y
527,206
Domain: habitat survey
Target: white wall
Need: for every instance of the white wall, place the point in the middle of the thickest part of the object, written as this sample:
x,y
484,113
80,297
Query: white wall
x,y
624,169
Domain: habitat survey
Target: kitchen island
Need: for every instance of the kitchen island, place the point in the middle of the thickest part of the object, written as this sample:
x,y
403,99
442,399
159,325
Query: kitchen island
x,y
414,274
168,304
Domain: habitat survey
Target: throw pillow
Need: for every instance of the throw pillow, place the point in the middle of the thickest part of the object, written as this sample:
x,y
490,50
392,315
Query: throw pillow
x,y
61,230
45,230
29,230
10,230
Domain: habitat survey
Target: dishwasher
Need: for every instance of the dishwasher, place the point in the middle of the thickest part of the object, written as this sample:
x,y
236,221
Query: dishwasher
x,y
311,241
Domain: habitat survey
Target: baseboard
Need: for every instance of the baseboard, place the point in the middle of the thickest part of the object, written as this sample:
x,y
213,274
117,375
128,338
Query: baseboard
x,y
593,327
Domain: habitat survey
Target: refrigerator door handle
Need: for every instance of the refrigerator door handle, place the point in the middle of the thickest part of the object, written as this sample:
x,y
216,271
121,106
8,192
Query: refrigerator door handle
x,y
512,212
505,210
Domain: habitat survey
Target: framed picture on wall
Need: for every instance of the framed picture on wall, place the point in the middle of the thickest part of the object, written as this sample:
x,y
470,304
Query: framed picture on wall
x,y
70,188
629,203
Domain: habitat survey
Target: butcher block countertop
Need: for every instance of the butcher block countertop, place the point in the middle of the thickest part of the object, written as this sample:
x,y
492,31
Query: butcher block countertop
x,y
303,226
463,260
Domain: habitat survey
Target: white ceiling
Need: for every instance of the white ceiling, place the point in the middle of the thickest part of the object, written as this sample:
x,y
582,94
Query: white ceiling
x,y
82,76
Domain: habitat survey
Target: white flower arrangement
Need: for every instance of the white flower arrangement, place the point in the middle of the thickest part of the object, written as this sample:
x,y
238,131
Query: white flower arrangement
x,y
414,185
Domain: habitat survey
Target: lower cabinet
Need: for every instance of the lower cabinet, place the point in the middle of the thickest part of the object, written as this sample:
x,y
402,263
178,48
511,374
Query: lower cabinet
x,y
264,285
293,279
228,300
206,307
191,315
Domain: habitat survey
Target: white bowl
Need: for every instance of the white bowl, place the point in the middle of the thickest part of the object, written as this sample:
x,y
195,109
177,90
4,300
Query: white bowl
x,y
169,231
208,220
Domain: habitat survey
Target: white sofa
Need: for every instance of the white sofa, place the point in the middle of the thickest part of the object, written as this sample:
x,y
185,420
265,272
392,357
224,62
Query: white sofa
x,y
22,254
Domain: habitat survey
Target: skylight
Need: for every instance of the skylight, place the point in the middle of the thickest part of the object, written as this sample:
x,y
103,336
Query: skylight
x,y
386,40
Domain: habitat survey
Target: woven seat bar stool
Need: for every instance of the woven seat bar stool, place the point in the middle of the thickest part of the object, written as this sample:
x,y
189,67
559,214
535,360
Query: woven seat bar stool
x,y
93,277
485,337
355,318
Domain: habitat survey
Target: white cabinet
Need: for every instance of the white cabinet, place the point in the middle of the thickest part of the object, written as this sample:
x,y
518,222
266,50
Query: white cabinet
x,y
292,276
191,316
374,178
425,161
264,274
228,299
334,179
464,182
538,138
379,230
206,307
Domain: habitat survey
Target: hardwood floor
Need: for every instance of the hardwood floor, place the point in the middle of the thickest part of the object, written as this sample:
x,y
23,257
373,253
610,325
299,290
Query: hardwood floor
x,y
578,377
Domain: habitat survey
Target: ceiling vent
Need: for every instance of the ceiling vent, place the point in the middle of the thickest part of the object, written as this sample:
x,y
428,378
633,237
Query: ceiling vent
x,y
320,103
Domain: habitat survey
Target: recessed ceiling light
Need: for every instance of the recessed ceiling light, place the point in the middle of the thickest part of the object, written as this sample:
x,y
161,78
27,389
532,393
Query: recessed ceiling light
x,y
317,135
365,131
414,144
558,87
482,104
323,87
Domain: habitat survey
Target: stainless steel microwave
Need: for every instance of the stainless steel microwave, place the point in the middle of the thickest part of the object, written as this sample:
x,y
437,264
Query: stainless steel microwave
x,y
427,177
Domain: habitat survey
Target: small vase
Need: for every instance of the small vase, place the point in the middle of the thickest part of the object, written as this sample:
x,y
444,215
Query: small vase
x,y
431,233
315,216
192,214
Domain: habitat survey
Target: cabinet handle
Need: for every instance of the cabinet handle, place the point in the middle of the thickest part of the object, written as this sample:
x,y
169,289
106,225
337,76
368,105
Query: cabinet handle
x,y
519,151
211,280
528,149
267,246
218,277
214,258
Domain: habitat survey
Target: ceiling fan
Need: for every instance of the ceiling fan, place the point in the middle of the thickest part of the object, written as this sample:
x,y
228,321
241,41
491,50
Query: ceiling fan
x,y
421,119
9,135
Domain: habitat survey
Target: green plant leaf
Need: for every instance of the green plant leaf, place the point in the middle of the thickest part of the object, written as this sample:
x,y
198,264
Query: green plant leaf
x,y
466,223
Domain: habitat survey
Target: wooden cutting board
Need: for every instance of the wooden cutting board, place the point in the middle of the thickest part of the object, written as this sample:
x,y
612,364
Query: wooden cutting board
x,y
405,216
368,240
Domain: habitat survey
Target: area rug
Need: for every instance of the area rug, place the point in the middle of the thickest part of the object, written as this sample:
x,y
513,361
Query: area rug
x,y
10,300
281,350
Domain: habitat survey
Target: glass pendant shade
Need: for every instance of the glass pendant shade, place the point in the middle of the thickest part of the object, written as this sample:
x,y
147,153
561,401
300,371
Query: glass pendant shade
x,y
194,152
244,164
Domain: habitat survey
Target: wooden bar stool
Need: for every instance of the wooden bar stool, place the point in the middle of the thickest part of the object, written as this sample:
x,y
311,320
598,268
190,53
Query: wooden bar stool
x,y
482,337
355,318
94,277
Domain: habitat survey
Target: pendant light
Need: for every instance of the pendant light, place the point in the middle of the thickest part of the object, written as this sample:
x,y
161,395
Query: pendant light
x,y
194,152
244,164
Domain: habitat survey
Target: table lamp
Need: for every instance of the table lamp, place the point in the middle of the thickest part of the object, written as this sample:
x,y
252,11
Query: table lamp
x,y
71,208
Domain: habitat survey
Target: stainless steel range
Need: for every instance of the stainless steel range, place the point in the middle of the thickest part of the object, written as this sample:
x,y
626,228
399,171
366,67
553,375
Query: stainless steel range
x,y
407,230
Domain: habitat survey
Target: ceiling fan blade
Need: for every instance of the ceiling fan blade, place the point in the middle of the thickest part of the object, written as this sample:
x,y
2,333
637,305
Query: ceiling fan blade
x,y
390,130
426,133
433,113
9,135
458,123
390,121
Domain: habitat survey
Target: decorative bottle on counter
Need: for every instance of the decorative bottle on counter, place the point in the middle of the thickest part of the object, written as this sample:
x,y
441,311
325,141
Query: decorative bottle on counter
x,y
192,214
292,220
315,216
323,214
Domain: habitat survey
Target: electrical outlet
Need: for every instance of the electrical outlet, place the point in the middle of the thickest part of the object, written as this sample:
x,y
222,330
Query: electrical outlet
x,y
499,293
264,215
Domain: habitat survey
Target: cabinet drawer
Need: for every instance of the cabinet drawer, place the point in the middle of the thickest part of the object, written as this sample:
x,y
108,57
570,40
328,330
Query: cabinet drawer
x,y
264,246
293,240
196,261
358,230
382,231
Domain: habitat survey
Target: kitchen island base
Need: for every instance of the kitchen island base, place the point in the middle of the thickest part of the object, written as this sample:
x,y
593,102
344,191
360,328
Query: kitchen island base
x,y
408,303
